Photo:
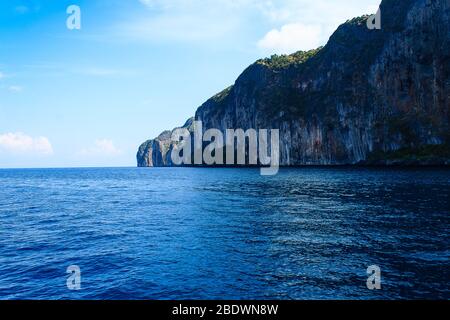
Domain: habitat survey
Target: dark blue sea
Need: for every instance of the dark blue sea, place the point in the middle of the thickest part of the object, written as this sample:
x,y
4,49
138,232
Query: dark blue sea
x,y
186,233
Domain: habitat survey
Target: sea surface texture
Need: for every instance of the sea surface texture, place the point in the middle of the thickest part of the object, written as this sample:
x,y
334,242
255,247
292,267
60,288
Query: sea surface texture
x,y
186,233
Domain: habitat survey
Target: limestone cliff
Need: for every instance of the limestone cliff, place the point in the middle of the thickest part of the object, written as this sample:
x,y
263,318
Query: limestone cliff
x,y
368,96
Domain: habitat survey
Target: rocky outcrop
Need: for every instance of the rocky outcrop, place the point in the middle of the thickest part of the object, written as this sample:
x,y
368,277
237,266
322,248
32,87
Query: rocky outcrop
x,y
368,96
156,152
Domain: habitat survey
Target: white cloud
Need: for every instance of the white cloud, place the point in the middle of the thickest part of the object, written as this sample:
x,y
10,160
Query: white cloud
x,y
219,20
22,143
291,37
2,75
102,147
305,24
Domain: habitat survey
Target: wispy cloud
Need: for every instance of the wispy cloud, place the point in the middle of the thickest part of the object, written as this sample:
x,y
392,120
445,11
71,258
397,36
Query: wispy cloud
x,y
148,3
295,24
22,9
101,147
99,72
4,76
51,69
214,22
176,27
15,89
21,143
189,4
182,21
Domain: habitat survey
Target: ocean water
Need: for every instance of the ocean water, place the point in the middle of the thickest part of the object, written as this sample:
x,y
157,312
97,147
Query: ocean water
x,y
185,233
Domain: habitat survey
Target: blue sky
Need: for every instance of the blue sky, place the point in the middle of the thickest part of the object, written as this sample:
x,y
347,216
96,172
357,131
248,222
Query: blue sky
x,y
89,97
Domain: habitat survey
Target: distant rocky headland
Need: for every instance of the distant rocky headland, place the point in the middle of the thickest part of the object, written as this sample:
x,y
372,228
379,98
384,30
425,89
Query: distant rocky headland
x,y
375,97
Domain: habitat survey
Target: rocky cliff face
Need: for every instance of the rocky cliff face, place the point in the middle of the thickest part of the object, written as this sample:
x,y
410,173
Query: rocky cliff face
x,y
368,96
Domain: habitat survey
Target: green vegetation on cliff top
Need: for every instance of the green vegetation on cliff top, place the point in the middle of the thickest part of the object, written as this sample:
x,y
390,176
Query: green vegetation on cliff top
x,y
362,20
284,61
222,95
